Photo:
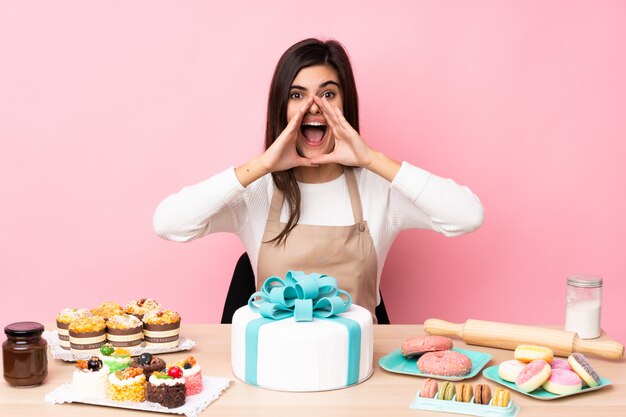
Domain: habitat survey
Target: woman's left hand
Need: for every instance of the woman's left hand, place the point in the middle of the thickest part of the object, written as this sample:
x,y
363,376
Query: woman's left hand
x,y
350,149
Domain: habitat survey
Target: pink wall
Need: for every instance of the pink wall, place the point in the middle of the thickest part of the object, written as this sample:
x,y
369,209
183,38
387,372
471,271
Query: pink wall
x,y
106,108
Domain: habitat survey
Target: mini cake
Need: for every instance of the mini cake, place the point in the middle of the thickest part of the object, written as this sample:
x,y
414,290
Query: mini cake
x,y
107,309
64,319
124,330
127,385
148,363
167,388
192,374
87,335
115,358
161,328
140,307
89,380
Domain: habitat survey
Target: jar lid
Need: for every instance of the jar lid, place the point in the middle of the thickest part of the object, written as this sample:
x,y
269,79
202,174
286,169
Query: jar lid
x,y
24,329
584,280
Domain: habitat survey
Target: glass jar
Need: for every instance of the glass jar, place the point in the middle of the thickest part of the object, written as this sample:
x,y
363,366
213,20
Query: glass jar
x,y
24,354
583,305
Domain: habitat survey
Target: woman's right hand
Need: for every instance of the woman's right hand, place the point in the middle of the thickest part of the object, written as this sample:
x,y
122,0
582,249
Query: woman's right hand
x,y
281,155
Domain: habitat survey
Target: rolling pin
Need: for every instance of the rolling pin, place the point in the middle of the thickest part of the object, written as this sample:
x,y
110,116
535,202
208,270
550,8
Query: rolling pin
x,y
509,336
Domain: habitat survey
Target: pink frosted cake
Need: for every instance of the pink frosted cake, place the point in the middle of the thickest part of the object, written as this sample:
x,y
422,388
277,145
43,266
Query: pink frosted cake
x,y
193,375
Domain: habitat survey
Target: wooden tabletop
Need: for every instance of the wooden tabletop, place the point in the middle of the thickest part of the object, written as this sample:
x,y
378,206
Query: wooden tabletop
x,y
384,394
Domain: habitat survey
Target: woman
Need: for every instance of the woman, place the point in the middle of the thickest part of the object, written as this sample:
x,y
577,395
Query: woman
x,y
346,202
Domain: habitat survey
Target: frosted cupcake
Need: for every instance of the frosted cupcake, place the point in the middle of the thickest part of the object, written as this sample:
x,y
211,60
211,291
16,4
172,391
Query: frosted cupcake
x,y
167,388
140,307
107,309
64,319
161,328
193,375
127,385
124,330
89,381
116,359
87,335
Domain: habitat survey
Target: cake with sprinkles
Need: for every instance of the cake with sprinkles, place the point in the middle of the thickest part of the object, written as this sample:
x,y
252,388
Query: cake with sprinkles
x,y
167,388
116,359
127,385
193,375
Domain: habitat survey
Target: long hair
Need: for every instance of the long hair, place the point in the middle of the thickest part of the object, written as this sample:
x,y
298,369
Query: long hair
x,y
306,53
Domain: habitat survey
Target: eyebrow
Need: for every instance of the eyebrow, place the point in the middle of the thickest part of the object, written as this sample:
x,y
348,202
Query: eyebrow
x,y
322,85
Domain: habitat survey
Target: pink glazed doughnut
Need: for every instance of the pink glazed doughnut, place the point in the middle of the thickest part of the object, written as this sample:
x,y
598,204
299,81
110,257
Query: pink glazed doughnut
x,y
533,375
562,381
509,370
445,363
560,364
418,345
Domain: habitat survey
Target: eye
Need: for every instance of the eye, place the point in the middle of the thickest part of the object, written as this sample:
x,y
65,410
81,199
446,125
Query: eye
x,y
295,95
328,94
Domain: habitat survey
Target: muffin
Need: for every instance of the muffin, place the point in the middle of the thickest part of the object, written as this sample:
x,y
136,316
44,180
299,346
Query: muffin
x,y
193,375
124,330
167,388
107,309
64,318
127,385
161,328
140,307
87,335
148,363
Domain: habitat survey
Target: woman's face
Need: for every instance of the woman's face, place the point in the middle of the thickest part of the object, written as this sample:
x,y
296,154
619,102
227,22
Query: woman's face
x,y
315,138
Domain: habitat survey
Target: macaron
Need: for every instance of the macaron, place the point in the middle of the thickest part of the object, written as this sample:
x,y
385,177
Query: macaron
x,y
501,397
418,345
429,389
558,363
482,394
445,363
529,353
562,381
583,368
447,391
533,375
509,370
464,393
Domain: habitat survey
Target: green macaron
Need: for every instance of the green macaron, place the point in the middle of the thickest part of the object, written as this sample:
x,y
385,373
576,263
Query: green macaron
x,y
447,391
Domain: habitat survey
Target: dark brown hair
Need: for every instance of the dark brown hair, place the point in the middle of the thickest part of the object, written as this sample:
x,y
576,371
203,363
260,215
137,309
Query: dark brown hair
x,y
306,53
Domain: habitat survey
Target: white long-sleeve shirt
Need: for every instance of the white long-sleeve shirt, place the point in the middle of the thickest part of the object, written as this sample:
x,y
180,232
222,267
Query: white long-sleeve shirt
x,y
415,199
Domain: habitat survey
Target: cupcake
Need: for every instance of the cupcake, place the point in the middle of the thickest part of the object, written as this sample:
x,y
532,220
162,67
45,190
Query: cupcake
x,y
142,306
87,335
64,318
127,385
124,330
89,380
116,359
107,309
148,363
167,388
161,328
193,375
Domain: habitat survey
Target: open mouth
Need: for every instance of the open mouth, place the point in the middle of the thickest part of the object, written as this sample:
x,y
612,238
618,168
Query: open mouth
x,y
313,132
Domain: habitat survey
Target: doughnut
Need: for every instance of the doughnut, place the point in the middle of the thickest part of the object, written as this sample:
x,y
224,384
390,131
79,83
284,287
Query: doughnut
x,y
445,362
418,345
447,391
533,375
509,370
429,389
528,353
579,364
464,393
562,381
482,394
501,397
560,364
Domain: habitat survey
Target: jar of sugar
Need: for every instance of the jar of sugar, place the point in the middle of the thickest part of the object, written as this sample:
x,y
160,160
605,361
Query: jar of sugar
x,y
583,305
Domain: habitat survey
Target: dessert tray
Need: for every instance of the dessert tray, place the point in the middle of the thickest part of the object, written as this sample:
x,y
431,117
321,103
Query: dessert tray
x,y
453,406
540,394
194,405
398,363
52,337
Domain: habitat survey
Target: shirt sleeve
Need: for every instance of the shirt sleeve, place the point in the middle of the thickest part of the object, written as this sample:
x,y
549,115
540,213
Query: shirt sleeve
x,y
420,199
214,205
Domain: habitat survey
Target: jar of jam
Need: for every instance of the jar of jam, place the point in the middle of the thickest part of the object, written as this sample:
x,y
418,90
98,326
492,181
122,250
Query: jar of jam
x,y
24,354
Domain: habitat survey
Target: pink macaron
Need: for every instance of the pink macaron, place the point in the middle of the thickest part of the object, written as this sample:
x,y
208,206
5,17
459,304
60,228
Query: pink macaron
x,y
562,381
445,363
429,389
533,375
418,345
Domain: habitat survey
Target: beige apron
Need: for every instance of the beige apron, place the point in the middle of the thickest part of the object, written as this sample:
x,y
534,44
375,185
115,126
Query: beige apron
x,y
344,252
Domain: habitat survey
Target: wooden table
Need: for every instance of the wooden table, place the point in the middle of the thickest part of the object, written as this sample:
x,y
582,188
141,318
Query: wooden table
x,y
384,394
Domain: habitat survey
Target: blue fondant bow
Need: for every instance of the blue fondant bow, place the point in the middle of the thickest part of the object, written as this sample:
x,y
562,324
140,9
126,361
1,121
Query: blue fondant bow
x,y
300,295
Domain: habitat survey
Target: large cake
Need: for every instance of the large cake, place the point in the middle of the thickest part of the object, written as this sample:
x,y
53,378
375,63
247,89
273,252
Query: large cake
x,y
276,346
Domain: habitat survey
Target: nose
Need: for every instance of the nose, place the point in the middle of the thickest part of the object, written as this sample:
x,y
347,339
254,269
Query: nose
x,y
314,109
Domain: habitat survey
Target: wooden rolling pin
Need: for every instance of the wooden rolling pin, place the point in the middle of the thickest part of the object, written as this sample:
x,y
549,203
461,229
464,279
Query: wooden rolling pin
x,y
509,336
